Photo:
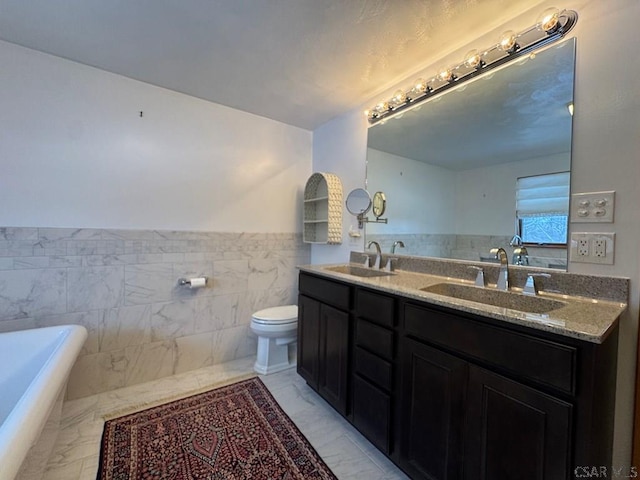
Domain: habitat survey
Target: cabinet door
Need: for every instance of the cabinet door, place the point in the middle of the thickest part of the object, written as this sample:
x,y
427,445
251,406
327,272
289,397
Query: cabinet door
x,y
334,349
433,391
372,413
308,340
515,432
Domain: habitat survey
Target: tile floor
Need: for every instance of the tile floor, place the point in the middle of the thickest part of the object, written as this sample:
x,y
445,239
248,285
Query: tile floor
x,y
346,452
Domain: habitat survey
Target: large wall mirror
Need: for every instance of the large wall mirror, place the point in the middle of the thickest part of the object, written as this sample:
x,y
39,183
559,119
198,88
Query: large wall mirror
x,y
450,168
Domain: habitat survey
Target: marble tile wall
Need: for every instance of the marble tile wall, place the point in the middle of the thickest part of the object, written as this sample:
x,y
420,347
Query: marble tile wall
x,y
425,244
122,285
466,247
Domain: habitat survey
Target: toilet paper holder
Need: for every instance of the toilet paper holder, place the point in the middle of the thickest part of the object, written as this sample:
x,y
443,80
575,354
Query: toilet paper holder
x,y
193,282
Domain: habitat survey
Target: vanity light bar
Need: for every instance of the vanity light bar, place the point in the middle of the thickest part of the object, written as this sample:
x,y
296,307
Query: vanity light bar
x,y
552,25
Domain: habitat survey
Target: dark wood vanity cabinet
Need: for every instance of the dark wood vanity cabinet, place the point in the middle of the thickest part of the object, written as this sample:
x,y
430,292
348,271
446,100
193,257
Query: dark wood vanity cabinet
x,y
484,400
373,369
323,340
309,340
514,431
462,421
432,412
451,395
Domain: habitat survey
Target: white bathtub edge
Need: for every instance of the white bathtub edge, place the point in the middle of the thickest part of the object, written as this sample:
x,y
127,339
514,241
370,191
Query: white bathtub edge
x,y
24,424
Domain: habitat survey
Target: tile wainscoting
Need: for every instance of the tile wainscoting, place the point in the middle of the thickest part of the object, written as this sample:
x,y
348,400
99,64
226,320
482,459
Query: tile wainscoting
x,y
122,285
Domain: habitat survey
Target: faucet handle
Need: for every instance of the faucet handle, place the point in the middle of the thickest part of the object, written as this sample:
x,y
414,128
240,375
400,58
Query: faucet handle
x,y
367,260
389,267
531,287
479,277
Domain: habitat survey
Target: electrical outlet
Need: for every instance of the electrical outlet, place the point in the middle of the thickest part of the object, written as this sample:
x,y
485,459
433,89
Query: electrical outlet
x,y
592,247
602,248
583,247
599,247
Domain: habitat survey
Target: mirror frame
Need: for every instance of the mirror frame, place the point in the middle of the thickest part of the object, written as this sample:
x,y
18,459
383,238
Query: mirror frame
x,y
379,204
358,194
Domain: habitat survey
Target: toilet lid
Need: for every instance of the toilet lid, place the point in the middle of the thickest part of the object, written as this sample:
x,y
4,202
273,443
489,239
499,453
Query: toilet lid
x,y
284,314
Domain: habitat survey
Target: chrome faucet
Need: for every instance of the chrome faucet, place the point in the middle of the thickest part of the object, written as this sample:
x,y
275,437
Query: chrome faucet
x,y
398,243
520,256
515,241
503,276
378,261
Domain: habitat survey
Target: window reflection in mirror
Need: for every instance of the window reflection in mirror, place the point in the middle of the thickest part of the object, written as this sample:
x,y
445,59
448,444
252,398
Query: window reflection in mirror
x,y
450,167
542,209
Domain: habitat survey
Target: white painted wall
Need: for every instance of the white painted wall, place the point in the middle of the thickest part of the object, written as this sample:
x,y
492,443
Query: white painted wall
x,y
605,156
420,197
340,147
75,152
486,196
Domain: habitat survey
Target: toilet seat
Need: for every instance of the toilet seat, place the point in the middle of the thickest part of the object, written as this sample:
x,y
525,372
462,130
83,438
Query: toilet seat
x,y
276,315
273,322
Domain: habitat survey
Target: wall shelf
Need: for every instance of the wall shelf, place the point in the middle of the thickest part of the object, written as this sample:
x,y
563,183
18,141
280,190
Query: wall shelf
x,y
322,219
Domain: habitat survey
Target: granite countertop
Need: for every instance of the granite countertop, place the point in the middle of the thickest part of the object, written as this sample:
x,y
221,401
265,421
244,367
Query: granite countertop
x,y
583,318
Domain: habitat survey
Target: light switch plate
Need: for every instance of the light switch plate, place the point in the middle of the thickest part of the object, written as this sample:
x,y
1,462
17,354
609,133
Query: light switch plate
x,y
592,207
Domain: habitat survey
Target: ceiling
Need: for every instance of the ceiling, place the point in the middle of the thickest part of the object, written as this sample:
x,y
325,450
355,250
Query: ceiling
x,y
301,62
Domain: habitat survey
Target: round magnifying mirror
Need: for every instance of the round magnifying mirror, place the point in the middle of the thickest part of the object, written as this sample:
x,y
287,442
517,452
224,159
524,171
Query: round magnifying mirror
x,y
358,201
379,204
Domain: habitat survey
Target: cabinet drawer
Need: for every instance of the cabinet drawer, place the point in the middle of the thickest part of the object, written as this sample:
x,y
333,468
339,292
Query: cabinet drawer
x,y
373,368
333,293
372,413
375,307
541,360
374,338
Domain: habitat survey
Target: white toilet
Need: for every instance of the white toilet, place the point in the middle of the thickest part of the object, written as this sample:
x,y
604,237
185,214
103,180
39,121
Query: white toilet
x,y
276,328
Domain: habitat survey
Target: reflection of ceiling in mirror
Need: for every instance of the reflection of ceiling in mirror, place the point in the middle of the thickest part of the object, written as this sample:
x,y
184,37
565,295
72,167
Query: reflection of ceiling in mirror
x,y
515,113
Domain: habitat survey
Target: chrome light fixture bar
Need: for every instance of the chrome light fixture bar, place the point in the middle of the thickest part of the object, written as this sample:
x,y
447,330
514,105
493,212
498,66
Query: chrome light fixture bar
x,y
552,25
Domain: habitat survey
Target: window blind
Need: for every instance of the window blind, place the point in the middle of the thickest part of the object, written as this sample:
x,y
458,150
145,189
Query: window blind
x,y
543,195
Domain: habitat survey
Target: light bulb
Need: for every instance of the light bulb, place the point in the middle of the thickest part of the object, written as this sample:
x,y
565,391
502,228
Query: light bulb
x,y
445,75
473,59
549,20
399,97
419,87
371,114
382,107
508,41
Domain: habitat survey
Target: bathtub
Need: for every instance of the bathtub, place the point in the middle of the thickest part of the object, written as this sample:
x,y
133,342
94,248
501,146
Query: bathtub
x,y
34,368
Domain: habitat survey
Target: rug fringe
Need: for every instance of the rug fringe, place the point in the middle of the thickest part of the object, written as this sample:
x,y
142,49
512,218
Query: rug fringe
x,y
172,398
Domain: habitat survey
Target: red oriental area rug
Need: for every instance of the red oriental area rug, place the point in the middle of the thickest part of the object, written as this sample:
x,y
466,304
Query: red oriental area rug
x,y
237,432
